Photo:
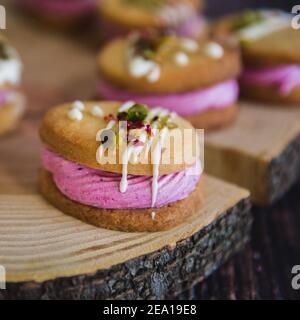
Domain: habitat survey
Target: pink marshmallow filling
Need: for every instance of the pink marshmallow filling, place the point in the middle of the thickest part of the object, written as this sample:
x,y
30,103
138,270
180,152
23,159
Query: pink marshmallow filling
x,y
216,97
61,7
100,189
4,94
286,77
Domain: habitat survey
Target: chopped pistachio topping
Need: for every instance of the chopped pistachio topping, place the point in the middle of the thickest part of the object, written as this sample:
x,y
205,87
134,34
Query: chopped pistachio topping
x,y
147,4
246,19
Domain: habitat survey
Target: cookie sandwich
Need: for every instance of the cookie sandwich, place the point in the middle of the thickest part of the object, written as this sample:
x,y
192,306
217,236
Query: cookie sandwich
x,y
120,17
114,165
271,54
60,13
197,80
11,100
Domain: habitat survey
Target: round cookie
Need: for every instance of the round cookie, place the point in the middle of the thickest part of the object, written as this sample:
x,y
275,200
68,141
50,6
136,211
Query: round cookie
x,y
69,134
76,140
201,72
130,220
271,49
140,14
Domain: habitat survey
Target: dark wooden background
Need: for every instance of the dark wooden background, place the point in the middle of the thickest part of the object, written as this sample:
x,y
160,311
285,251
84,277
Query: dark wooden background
x,y
263,269
219,7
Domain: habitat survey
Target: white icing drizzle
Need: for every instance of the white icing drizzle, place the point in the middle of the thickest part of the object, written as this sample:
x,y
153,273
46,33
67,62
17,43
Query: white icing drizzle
x,y
125,106
153,214
75,114
156,163
214,50
273,22
136,150
182,58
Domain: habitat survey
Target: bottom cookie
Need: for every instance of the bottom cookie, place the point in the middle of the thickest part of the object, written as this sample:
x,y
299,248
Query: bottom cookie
x,y
130,220
269,94
10,114
214,118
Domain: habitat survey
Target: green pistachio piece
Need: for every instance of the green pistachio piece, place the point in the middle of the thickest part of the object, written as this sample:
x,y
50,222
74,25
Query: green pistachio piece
x,y
137,112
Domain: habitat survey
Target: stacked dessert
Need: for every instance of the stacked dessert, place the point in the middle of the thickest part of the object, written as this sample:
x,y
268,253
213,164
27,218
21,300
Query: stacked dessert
x,y
108,164
11,100
271,53
195,79
120,17
59,12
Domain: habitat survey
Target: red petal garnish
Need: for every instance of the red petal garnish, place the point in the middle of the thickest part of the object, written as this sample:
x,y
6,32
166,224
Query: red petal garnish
x,y
149,130
138,143
109,117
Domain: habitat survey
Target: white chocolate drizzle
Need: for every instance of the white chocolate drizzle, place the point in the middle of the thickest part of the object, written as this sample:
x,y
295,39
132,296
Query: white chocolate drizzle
x,y
135,151
272,22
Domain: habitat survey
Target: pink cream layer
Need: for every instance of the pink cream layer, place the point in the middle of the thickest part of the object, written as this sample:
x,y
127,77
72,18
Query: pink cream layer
x,y
4,94
60,7
285,77
219,96
100,189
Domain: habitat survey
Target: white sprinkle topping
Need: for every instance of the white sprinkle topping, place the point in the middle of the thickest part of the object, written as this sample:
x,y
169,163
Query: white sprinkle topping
x,y
75,114
154,74
140,67
189,45
97,111
181,59
214,50
78,105
125,106
153,214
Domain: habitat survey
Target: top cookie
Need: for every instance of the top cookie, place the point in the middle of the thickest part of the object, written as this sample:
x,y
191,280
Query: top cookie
x,y
72,130
167,64
266,36
137,14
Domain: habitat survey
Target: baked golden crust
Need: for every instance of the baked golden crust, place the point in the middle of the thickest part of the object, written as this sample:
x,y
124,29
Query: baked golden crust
x,y
270,94
137,17
280,47
76,140
214,118
10,114
202,71
128,220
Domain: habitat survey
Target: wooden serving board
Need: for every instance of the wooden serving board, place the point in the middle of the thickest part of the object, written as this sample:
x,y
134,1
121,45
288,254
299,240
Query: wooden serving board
x,y
260,152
